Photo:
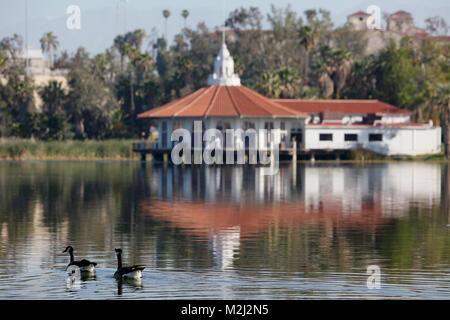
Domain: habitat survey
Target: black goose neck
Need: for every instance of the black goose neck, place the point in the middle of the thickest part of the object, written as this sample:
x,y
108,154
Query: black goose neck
x,y
119,260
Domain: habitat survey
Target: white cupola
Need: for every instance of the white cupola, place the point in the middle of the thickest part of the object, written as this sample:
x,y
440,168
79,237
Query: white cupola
x,y
223,74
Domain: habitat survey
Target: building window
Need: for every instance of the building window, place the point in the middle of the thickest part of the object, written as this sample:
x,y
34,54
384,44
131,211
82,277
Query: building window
x,y
326,137
269,127
248,125
163,134
283,133
177,125
375,137
223,125
350,137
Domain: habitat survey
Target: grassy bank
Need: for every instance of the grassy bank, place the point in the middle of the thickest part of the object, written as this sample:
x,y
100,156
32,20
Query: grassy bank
x,y
22,149
17,149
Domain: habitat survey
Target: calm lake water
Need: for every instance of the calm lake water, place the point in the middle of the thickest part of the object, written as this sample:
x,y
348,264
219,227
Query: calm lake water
x,y
226,232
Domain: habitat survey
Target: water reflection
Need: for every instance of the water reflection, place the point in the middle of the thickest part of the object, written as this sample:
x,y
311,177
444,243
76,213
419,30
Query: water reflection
x,y
135,284
226,232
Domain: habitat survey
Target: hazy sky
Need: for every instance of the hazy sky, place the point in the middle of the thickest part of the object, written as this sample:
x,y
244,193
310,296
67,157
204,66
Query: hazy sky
x,y
102,20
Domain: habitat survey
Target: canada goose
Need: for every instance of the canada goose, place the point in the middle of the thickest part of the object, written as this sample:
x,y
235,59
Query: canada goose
x,y
133,272
84,265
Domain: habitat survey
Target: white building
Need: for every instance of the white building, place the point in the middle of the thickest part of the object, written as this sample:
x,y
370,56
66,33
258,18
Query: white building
x,y
313,124
365,124
226,104
358,20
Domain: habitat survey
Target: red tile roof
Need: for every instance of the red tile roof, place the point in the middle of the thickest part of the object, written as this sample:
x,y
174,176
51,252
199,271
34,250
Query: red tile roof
x,y
445,38
342,106
359,13
222,101
400,13
358,125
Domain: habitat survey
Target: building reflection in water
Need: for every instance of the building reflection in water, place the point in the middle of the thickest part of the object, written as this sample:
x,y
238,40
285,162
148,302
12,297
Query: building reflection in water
x,y
228,204
229,232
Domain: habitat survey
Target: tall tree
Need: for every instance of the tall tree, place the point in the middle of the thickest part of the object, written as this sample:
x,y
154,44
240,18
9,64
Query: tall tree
x,y
49,44
90,103
135,38
12,50
333,64
307,37
119,45
341,65
53,97
166,15
397,77
185,15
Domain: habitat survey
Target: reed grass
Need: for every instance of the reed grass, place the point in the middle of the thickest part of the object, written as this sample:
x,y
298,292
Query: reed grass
x,y
21,149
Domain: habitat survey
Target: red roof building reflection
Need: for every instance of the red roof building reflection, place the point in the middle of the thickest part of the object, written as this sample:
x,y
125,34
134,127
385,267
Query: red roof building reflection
x,y
203,218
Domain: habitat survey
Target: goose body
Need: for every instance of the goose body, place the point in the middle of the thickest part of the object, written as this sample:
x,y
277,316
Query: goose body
x,y
132,272
84,265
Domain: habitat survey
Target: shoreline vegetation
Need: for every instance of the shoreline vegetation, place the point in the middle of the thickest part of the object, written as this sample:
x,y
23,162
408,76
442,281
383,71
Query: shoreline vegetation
x,y
117,149
24,149
282,55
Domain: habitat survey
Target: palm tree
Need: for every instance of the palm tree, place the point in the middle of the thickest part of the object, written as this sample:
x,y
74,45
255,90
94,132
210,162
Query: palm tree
x,y
307,39
49,44
290,83
185,15
342,65
119,44
335,65
271,85
136,38
132,54
166,15
143,63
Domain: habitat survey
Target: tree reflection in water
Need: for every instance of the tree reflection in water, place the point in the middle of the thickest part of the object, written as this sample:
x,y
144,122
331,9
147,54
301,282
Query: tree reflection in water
x,y
307,221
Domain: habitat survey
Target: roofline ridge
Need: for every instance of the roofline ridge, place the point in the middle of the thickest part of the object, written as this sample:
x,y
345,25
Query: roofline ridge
x,y
190,104
213,99
294,113
234,102
329,100
169,105
260,106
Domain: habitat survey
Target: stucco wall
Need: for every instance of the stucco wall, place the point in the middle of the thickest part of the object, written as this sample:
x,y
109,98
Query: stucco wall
x,y
235,123
396,140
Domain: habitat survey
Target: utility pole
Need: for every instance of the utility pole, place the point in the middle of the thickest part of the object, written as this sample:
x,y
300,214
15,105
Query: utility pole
x,y
223,21
125,15
26,38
